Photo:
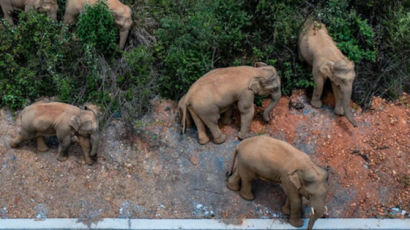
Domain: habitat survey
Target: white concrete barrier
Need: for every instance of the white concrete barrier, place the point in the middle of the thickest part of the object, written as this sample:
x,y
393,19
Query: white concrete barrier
x,y
201,224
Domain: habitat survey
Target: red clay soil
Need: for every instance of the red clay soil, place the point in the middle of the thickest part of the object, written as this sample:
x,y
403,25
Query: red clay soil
x,y
372,158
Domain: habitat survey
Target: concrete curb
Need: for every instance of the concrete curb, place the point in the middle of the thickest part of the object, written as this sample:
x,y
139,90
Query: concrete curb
x,y
201,224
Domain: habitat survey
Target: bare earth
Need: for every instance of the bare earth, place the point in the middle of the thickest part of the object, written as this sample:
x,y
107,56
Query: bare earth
x,y
159,173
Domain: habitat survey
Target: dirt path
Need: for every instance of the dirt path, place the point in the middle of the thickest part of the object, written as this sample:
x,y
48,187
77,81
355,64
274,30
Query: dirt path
x,y
167,175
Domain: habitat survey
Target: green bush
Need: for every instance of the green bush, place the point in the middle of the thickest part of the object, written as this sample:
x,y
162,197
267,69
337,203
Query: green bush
x,y
173,43
96,28
138,81
29,59
352,34
194,38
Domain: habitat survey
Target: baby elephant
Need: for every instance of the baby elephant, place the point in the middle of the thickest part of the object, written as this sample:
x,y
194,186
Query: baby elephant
x,y
219,90
266,158
69,123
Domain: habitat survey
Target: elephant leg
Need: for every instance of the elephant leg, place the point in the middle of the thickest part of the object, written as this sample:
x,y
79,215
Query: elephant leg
x,y
286,207
338,99
318,90
246,186
211,120
7,14
64,142
202,136
41,144
85,147
295,203
247,111
234,181
227,117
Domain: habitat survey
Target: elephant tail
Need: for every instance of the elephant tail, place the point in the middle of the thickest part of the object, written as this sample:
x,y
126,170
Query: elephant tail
x,y
233,164
182,106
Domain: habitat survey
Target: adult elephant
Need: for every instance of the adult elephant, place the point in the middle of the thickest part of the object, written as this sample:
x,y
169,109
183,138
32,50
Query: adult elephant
x,y
69,123
48,6
266,158
319,50
121,12
217,91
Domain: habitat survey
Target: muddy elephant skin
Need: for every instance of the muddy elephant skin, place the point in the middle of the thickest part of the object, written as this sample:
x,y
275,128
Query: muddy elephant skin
x,y
269,159
319,50
121,12
48,6
219,90
69,123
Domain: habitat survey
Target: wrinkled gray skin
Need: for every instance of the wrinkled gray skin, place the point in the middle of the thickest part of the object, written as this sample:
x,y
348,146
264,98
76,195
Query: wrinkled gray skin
x,y
69,123
219,90
319,50
48,6
269,159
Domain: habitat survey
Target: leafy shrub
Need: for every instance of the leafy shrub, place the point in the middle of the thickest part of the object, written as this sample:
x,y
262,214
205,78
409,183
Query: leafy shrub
x,y
29,59
194,38
96,28
275,29
138,81
352,34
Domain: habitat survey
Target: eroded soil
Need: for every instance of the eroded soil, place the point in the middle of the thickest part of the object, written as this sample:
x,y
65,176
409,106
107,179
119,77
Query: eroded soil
x,y
159,173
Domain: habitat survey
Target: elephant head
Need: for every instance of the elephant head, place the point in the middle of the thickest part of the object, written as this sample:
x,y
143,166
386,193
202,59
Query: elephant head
x,y
342,74
267,83
312,183
85,124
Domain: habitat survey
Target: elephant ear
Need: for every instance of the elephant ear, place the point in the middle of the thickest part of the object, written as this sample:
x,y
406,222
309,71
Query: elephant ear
x,y
93,108
255,84
75,123
327,69
294,178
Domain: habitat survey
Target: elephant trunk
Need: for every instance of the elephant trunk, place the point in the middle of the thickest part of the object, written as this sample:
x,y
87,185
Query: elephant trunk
x,y
123,37
275,99
94,143
346,107
317,212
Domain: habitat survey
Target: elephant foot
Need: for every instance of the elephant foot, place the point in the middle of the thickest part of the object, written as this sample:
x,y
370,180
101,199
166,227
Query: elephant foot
x,y
221,139
285,210
244,136
339,111
62,158
247,196
297,222
42,148
89,161
316,103
233,186
203,140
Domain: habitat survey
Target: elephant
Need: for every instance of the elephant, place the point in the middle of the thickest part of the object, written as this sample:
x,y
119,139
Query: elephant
x,y
48,6
266,158
219,90
69,123
319,50
121,12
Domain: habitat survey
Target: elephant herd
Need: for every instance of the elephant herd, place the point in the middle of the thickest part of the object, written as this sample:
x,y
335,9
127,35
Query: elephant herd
x,y
121,12
214,95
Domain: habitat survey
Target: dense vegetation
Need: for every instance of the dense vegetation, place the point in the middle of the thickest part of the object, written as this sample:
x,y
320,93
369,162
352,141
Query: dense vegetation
x,y
173,43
